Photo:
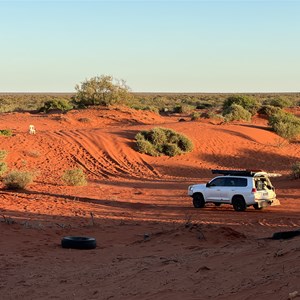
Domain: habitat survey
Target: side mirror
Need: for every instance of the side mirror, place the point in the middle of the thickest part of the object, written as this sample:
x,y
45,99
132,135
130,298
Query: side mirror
x,y
208,185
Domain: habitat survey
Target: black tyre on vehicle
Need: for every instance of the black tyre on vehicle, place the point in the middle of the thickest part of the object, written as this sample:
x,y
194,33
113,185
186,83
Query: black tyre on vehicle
x,y
198,200
257,207
239,203
78,242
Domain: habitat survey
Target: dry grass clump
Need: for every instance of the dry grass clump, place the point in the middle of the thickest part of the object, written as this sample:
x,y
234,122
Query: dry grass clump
x,y
162,141
3,154
3,167
17,179
74,177
5,132
33,153
84,120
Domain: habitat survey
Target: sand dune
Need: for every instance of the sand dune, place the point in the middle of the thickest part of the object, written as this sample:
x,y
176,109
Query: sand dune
x,y
152,244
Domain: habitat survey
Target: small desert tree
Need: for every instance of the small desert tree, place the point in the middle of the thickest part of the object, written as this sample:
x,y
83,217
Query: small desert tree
x,y
101,90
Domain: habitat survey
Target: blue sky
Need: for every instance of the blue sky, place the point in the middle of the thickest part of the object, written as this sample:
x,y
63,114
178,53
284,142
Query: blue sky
x,y
156,46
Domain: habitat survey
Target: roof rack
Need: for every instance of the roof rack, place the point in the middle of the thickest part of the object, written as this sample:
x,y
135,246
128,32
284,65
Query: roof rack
x,y
247,173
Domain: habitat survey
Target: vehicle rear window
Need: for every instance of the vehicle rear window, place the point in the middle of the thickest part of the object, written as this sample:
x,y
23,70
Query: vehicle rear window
x,y
232,181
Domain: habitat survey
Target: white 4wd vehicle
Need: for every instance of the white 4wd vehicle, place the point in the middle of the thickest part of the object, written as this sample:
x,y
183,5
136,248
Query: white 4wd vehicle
x,y
238,188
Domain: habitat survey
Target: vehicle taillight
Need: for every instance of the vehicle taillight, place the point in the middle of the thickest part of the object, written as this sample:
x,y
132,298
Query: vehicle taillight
x,y
254,190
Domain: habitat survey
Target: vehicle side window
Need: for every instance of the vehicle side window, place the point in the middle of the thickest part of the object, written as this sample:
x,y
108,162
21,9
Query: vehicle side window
x,y
218,182
236,182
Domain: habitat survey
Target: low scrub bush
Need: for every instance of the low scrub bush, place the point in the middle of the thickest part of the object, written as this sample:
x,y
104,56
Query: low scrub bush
x,y
147,107
162,141
3,167
3,154
269,110
279,102
6,132
285,124
296,170
17,179
75,177
56,104
204,105
248,103
195,116
236,112
182,109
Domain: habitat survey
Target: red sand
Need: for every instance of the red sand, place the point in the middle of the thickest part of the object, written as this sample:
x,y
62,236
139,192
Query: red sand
x,y
152,244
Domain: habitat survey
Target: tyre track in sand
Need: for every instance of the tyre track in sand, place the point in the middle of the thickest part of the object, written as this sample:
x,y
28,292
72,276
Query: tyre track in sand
x,y
106,155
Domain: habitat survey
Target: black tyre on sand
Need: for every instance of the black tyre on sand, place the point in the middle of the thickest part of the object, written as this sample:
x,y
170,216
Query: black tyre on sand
x,y
78,242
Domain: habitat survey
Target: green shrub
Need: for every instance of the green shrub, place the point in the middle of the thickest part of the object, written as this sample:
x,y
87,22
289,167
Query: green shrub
x,y
75,177
236,112
147,107
249,104
3,154
182,109
279,102
3,167
56,104
285,124
269,110
204,105
171,149
145,146
6,132
162,141
17,179
296,170
195,116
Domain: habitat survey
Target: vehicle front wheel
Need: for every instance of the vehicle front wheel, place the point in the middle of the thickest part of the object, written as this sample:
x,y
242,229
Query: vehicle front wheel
x,y
198,200
239,204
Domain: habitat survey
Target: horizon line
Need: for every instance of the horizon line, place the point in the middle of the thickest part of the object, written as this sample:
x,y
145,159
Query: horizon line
x,y
159,92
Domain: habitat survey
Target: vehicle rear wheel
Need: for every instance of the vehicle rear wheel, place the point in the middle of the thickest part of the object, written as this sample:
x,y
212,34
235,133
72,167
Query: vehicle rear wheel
x,y
198,200
239,204
257,207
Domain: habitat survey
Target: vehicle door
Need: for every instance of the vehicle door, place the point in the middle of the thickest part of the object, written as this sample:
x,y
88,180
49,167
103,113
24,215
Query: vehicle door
x,y
213,190
233,186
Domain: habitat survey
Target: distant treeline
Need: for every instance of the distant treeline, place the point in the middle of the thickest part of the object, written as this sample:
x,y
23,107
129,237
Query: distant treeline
x,y
158,102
